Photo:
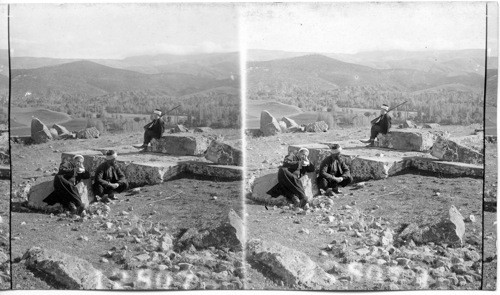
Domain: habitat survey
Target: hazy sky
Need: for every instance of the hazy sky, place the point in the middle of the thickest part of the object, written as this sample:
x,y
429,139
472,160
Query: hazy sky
x,y
121,30
3,27
354,27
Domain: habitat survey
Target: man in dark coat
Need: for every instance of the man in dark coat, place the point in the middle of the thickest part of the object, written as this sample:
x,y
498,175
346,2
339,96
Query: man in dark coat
x,y
65,191
153,129
334,172
382,125
289,185
109,179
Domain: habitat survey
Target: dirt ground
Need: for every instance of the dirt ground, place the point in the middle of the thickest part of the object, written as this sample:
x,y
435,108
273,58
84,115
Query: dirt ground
x,y
171,207
490,218
413,197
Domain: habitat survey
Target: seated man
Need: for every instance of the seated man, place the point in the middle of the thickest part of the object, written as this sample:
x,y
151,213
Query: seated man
x,y
109,179
382,124
65,191
153,129
333,172
294,166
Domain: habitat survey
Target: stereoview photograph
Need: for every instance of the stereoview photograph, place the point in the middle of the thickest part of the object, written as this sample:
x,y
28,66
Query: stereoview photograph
x,y
126,142
365,146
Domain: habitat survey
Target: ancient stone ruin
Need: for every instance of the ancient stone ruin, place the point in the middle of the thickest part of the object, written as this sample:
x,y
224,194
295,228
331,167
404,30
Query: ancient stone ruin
x,y
397,152
40,133
167,157
269,125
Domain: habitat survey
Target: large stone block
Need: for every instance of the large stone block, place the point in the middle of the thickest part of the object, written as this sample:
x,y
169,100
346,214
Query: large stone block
x,y
451,150
39,132
289,122
320,126
263,184
140,173
366,168
87,133
192,145
407,140
139,169
448,168
268,124
362,167
42,190
293,267
69,271
61,130
219,171
317,152
224,154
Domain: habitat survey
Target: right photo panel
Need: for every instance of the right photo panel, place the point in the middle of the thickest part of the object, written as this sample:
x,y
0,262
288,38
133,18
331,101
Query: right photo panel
x,y
365,146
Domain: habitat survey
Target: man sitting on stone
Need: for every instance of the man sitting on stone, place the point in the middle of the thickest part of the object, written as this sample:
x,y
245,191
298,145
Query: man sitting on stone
x,y
65,191
153,129
382,125
289,185
109,179
333,172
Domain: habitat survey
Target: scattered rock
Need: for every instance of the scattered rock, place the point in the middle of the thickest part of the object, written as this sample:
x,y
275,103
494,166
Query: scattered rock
x,y
69,271
88,133
39,132
319,126
268,124
292,266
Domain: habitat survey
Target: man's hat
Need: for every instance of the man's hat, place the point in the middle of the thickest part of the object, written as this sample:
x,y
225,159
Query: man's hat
x,y
111,155
77,156
336,148
303,150
385,107
157,111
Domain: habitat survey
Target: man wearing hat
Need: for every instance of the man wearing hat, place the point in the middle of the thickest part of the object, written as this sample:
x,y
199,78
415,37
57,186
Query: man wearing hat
x,y
294,167
65,191
334,172
109,179
153,129
381,125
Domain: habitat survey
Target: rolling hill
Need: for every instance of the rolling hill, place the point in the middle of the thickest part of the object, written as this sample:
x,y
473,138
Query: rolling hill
x,y
324,73
440,61
88,79
215,65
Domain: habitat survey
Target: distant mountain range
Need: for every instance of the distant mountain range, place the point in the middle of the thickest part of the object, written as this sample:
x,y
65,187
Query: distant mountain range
x,y
323,73
214,65
181,75
88,79
470,60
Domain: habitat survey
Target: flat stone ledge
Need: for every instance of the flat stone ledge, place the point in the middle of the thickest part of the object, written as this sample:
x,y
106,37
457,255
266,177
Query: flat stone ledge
x,y
378,163
213,170
448,168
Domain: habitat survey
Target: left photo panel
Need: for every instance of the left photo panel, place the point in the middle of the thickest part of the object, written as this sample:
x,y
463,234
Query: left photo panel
x,y
126,147
4,154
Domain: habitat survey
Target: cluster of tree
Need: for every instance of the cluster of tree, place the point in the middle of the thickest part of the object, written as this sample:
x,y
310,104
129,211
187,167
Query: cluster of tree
x,y
213,109
445,106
